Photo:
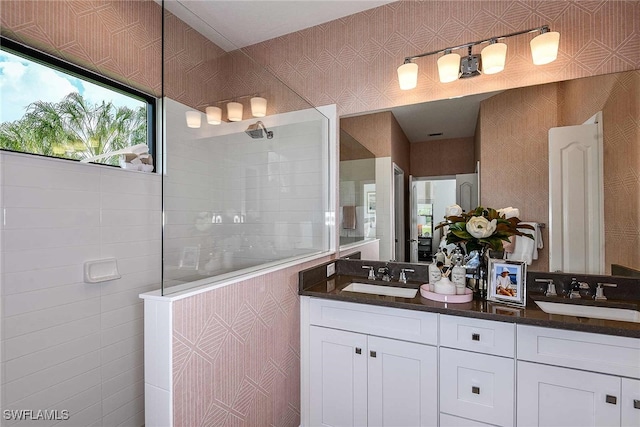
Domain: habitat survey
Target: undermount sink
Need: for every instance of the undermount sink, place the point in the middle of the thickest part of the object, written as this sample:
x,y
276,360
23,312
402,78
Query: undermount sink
x,y
596,312
390,291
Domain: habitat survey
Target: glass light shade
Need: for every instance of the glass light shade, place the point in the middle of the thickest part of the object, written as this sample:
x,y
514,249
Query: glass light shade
x,y
493,58
234,111
214,115
449,67
544,48
408,75
194,119
258,106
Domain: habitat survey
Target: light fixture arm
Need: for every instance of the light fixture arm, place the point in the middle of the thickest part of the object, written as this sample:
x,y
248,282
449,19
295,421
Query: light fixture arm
x,y
543,29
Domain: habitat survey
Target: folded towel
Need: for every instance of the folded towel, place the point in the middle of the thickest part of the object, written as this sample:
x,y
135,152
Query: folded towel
x,y
349,217
526,249
509,212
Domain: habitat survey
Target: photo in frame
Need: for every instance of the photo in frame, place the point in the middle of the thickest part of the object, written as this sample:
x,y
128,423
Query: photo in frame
x,y
507,281
371,202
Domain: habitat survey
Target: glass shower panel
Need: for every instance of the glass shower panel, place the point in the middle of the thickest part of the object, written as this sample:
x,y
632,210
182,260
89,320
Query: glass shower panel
x,y
244,195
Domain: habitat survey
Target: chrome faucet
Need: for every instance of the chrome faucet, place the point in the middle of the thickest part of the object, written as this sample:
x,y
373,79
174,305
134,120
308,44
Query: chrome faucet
x,y
386,273
403,276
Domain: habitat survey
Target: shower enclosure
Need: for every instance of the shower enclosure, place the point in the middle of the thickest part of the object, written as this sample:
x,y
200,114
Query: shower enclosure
x,y
243,190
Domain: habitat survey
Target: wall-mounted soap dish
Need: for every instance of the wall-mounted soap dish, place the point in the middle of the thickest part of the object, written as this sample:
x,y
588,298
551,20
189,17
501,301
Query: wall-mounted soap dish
x,y
101,270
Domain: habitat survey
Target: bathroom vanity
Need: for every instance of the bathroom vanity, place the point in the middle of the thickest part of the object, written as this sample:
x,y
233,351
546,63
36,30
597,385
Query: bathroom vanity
x,y
370,359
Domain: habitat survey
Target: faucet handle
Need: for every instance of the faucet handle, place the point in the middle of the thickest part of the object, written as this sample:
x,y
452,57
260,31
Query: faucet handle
x,y
372,273
600,292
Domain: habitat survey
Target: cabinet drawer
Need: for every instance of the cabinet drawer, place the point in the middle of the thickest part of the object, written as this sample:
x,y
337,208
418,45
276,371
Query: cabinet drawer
x,y
408,325
580,350
484,336
477,386
447,420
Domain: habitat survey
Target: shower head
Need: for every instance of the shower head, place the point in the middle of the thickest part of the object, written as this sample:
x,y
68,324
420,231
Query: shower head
x,y
257,130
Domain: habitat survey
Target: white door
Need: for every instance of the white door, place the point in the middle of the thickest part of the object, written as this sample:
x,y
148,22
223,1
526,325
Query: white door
x,y
467,191
576,242
630,403
402,383
550,396
413,213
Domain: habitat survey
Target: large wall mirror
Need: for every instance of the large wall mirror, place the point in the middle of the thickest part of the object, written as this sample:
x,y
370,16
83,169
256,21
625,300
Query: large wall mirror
x,y
511,143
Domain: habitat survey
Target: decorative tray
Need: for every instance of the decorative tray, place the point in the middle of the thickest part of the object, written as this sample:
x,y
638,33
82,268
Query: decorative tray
x,y
454,299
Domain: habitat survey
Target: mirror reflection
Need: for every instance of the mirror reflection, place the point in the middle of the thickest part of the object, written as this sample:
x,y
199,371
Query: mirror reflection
x,y
357,191
510,141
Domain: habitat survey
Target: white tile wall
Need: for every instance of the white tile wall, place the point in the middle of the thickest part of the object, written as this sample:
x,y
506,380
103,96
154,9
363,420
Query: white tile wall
x,y
66,344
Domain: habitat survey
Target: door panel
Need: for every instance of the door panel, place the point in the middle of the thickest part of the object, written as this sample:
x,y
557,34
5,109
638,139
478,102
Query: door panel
x,y
550,396
338,378
402,383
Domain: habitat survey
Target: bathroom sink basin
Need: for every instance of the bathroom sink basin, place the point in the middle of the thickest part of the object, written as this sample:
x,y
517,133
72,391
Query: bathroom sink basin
x,y
596,312
390,291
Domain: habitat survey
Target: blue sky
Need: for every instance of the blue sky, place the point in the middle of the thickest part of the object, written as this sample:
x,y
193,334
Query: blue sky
x,y
23,82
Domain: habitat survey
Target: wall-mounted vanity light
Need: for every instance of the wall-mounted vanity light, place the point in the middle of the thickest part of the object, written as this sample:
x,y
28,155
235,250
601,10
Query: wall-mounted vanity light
x,y
491,60
234,108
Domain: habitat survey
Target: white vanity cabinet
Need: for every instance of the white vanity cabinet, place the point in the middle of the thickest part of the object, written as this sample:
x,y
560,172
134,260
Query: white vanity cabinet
x,y
359,379
589,384
477,371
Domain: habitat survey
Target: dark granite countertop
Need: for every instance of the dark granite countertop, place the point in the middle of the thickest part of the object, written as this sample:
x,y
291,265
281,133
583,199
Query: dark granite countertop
x,y
331,288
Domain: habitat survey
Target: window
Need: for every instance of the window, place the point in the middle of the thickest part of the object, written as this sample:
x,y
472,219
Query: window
x,y
52,108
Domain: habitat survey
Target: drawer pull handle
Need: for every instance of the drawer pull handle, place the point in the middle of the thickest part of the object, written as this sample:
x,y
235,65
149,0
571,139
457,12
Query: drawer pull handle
x,y
358,350
475,390
475,337
636,403
372,353
611,399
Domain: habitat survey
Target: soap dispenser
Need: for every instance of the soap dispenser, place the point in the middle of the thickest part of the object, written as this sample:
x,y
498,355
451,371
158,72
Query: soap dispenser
x,y
459,277
434,274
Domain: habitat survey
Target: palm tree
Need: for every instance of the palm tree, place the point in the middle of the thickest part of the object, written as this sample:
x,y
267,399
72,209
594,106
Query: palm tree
x,y
75,129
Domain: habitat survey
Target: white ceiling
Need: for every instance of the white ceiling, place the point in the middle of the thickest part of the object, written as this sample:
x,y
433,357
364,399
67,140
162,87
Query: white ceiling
x,y
235,24
454,118
239,23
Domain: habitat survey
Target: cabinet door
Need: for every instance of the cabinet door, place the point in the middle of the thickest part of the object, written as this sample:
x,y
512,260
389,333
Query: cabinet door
x,y
551,396
630,403
402,383
338,377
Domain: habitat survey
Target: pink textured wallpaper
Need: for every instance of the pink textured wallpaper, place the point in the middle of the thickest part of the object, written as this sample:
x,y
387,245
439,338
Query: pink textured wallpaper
x,y
237,354
352,61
